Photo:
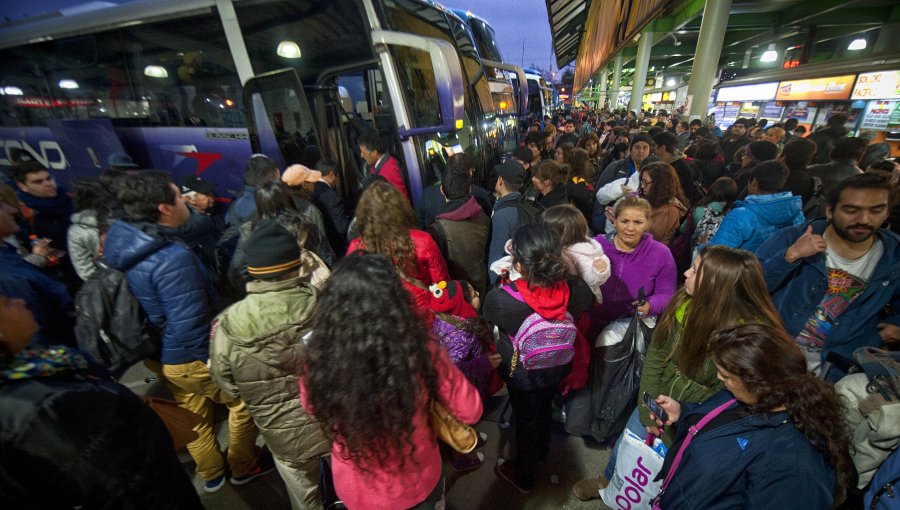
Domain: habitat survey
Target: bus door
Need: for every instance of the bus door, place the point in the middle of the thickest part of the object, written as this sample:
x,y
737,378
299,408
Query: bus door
x,y
279,120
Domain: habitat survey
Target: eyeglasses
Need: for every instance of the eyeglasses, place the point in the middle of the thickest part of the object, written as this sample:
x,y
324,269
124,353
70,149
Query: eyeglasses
x,y
646,182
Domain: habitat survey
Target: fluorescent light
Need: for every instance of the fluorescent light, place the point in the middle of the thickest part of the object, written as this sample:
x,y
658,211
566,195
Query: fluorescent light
x,y
288,49
11,91
670,82
68,84
770,54
156,72
857,44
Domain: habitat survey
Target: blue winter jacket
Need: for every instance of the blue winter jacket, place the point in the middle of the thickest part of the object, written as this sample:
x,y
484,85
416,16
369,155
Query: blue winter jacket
x,y
758,462
755,219
504,221
243,208
170,283
798,288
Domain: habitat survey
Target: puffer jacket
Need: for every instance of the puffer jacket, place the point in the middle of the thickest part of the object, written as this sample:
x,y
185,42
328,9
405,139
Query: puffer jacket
x,y
255,353
755,219
84,239
170,283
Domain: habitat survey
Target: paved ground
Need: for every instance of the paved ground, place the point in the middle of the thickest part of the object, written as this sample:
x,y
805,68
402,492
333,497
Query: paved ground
x,y
571,459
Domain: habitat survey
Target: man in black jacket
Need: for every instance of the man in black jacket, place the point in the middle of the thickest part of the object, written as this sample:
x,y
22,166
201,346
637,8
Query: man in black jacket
x,y
331,203
737,139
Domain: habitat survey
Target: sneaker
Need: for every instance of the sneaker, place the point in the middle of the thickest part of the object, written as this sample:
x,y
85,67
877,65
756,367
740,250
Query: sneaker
x,y
463,462
505,471
214,484
482,439
589,489
252,475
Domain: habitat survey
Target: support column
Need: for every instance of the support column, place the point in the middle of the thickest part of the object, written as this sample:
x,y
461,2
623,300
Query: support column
x,y
641,63
603,78
706,60
617,80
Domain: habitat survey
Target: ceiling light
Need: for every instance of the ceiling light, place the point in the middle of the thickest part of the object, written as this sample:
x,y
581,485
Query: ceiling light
x,y
288,49
857,44
68,84
156,72
11,91
770,55
670,82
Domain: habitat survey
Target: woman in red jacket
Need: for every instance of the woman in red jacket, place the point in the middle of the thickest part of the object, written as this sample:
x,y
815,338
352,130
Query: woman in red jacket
x,y
386,224
371,374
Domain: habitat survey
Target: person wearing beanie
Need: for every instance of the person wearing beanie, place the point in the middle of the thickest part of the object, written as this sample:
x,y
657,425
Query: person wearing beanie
x,y
751,155
763,212
255,349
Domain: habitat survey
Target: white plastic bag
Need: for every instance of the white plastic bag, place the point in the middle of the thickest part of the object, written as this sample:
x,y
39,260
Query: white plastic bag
x,y
632,486
615,331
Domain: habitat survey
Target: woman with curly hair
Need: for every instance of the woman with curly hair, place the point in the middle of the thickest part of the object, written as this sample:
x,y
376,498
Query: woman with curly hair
x,y
387,225
545,288
660,186
774,437
371,374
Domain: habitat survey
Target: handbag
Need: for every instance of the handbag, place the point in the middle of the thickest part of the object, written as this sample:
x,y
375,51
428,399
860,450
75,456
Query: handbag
x,y
448,429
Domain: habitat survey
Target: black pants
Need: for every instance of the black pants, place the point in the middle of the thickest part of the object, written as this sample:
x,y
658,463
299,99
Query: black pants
x,y
533,410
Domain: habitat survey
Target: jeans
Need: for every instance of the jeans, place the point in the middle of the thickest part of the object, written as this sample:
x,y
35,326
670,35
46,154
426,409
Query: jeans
x,y
634,425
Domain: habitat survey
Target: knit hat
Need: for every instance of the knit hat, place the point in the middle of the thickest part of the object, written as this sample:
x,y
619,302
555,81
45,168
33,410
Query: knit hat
x,y
762,150
523,154
272,251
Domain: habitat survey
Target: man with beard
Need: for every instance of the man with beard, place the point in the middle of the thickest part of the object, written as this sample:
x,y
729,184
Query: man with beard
x,y
830,280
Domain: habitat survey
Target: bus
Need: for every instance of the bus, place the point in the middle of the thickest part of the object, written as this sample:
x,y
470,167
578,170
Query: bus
x,y
196,86
539,100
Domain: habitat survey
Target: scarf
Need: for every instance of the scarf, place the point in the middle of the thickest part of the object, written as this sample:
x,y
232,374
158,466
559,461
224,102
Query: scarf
x,y
42,362
548,302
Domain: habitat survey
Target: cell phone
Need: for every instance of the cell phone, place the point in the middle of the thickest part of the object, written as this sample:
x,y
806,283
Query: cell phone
x,y
654,408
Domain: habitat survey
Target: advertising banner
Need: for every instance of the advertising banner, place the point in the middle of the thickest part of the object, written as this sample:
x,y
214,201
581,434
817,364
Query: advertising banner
x,y
877,85
878,115
836,88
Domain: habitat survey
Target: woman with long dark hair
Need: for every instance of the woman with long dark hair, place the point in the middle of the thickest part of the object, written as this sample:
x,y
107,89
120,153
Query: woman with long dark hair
x,y
387,225
774,437
93,203
660,186
371,374
580,182
545,288
709,211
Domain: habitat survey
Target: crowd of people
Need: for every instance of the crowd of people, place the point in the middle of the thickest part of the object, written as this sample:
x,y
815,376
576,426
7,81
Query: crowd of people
x,y
331,326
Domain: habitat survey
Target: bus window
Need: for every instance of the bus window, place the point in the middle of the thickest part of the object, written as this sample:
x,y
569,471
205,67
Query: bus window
x,y
157,74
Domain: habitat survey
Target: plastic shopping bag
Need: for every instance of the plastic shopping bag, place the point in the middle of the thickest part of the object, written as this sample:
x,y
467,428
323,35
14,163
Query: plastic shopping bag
x,y
632,486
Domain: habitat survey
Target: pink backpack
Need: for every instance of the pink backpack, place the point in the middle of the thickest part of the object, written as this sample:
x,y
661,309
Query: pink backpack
x,y
542,343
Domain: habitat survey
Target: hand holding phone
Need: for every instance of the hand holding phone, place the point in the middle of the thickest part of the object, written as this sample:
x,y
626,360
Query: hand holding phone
x,y
654,407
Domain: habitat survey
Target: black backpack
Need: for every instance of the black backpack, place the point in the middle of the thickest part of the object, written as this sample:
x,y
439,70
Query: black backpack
x,y
111,326
527,210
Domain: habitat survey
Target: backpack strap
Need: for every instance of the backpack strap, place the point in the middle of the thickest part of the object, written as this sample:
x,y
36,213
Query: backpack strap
x,y
512,292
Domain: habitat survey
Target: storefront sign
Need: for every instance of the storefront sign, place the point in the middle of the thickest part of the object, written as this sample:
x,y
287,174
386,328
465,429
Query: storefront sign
x,y
877,85
748,110
755,92
805,114
878,115
836,88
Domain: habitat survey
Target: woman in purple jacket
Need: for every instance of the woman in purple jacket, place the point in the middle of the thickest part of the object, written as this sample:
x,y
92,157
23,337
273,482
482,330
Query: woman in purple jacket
x,y
637,261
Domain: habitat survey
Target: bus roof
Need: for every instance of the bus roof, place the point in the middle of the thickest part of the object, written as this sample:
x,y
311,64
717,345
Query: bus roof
x,y
44,28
